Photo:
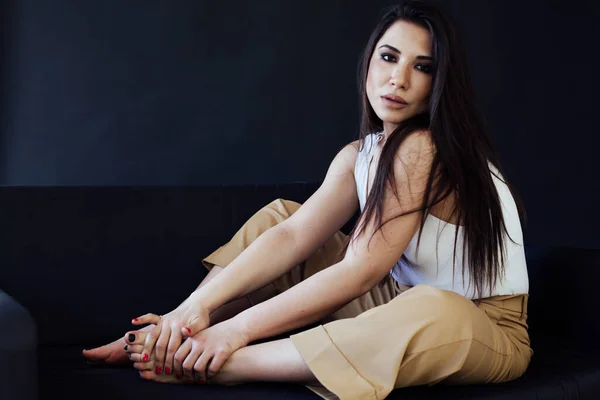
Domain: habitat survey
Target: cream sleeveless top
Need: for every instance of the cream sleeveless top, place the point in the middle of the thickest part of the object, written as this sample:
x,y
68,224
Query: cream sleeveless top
x,y
432,263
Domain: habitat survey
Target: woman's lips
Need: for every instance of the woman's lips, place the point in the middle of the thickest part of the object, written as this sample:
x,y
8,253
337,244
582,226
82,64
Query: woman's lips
x,y
393,104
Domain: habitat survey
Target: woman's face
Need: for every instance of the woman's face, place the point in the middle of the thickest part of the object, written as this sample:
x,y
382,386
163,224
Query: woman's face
x,y
399,80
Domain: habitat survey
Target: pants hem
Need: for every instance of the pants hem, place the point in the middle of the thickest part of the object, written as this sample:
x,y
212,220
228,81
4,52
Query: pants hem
x,y
330,367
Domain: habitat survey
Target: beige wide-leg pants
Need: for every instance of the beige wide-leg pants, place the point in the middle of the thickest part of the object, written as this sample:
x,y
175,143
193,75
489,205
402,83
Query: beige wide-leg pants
x,y
394,336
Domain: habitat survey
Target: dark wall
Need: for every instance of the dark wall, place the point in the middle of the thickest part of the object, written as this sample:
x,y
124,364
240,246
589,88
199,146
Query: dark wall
x,y
178,92
165,92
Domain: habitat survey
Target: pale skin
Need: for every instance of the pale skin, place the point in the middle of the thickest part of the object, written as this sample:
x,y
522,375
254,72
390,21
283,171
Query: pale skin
x,y
207,337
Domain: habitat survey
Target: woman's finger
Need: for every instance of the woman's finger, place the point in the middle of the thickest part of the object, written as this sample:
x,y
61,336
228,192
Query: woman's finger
x,y
190,360
150,341
180,356
201,365
195,325
217,362
146,319
160,350
172,347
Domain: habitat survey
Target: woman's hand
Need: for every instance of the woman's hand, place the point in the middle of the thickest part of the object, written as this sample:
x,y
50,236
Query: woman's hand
x,y
200,357
186,320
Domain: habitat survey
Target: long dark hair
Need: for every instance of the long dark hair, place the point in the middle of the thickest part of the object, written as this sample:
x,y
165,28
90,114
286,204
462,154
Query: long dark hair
x,y
463,149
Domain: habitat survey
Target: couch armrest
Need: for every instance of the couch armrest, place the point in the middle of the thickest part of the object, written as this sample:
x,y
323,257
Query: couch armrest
x,y
18,357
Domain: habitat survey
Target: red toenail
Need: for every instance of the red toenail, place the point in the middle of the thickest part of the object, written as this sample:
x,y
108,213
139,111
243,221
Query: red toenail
x,y
158,370
167,370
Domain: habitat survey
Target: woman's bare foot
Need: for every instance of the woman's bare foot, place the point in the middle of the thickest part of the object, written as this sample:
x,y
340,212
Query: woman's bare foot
x,y
113,353
150,372
147,370
274,361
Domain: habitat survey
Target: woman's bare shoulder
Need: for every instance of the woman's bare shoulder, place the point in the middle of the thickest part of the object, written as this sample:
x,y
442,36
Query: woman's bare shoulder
x,y
353,147
347,155
417,148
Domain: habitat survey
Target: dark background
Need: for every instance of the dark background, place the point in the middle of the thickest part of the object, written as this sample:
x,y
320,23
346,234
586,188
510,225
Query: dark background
x,y
205,92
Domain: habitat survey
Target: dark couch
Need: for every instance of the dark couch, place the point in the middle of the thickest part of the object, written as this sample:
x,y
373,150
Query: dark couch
x,y
77,263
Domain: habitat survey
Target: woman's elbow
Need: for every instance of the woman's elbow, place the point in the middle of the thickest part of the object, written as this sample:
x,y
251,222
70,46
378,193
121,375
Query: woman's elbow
x,y
367,277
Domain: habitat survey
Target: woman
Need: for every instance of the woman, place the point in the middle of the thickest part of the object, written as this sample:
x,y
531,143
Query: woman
x,y
431,284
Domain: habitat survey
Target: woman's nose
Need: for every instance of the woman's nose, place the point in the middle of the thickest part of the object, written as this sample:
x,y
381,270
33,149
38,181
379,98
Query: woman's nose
x,y
400,76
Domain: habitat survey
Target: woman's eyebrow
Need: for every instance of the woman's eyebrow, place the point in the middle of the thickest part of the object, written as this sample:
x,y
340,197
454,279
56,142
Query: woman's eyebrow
x,y
398,51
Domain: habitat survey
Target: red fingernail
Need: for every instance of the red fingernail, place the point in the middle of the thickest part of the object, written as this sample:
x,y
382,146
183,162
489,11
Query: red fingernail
x,y
178,376
201,381
190,381
145,358
188,329
158,370
135,320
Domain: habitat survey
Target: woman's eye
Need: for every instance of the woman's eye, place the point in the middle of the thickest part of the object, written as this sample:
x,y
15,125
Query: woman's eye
x,y
388,57
424,68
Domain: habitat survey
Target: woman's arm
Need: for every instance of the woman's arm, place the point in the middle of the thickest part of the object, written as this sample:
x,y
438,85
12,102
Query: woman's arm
x,y
367,260
310,300
292,241
330,289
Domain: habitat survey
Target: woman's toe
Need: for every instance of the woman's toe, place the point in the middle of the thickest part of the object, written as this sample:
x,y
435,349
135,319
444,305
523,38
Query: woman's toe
x,y
135,354
133,348
135,337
